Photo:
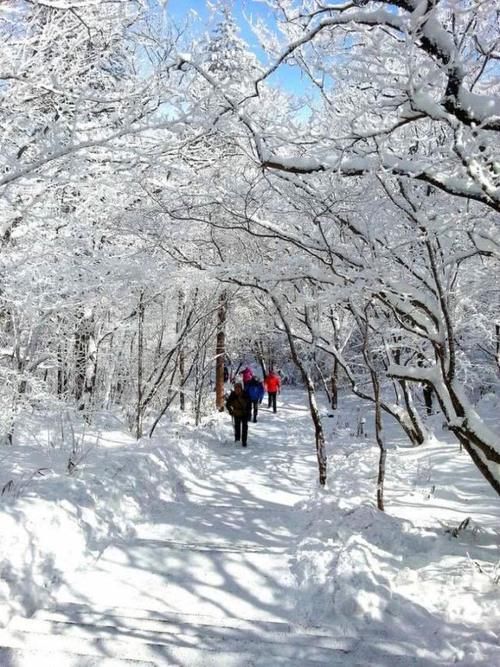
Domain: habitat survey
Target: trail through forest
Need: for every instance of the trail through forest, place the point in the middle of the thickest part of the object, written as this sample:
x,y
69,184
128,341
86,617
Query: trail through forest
x,y
245,562
220,548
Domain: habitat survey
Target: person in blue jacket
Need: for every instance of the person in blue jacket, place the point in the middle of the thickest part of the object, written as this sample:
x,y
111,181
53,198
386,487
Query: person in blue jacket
x,y
255,391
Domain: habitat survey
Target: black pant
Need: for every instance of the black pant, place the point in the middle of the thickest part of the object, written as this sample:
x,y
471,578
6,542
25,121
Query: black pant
x,y
241,429
271,395
255,408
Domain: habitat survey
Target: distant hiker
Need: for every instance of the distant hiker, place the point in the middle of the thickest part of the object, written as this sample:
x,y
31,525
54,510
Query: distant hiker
x,y
246,375
273,385
239,406
255,391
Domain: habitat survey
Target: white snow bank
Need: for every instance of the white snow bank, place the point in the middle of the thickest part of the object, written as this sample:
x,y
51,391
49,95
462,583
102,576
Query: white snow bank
x,y
39,541
52,522
409,575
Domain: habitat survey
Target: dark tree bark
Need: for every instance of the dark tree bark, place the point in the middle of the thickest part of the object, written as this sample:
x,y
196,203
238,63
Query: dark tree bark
x,y
82,335
140,367
497,346
220,350
334,386
313,407
367,355
427,391
182,355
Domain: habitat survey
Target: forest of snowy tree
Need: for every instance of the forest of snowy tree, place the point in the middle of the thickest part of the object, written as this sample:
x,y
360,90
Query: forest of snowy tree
x,y
168,208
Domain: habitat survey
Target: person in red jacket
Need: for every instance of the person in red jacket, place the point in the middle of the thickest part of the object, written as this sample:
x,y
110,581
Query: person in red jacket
x,y
272,384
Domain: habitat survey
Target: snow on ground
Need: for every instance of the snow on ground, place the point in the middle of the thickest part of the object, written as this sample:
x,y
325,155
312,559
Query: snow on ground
x,y
425,573
247,533
52,521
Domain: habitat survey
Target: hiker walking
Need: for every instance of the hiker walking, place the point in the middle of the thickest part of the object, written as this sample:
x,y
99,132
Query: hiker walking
x,y
273,385
246,376
238,405
255,391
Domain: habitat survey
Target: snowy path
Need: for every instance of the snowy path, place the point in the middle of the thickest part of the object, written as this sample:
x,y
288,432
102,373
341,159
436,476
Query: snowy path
x,y
206,581
220,550
207,578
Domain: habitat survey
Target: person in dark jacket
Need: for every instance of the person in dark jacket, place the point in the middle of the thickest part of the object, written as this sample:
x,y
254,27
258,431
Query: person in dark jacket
x,y
255,391
239,406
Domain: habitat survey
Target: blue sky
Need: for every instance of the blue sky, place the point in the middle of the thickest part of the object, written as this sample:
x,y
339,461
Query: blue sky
x,y
287,77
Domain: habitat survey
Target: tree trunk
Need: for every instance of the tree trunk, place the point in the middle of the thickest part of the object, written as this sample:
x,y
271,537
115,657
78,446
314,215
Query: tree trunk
x,y
90,373
380,442
199,386
399,413
182,356
334,389
313,408
85,361
416,431
182,379
497,347
220,349
477,438
259,354
81,346
427,391
62,375
362,321
140,367
319,434
172,394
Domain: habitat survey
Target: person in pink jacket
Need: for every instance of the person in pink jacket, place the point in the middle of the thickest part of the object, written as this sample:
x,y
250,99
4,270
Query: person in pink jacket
x,y
246,376
272,384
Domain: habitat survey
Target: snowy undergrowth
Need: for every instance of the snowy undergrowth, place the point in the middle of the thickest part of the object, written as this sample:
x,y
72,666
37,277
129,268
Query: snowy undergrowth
x,y
55,517
426,572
